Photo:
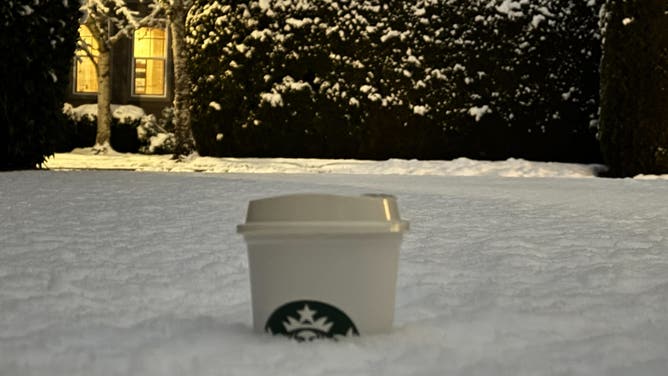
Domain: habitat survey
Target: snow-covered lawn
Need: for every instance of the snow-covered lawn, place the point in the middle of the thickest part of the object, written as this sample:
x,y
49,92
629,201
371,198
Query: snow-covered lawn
x,y
129,273
82,159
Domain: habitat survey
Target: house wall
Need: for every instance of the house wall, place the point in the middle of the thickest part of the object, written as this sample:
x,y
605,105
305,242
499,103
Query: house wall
x,y
121,81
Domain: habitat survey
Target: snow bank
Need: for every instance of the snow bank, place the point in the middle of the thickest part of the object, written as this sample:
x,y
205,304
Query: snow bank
x,y
82,159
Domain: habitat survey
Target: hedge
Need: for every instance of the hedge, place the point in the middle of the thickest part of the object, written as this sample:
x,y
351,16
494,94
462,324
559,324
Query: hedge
x,y
378,79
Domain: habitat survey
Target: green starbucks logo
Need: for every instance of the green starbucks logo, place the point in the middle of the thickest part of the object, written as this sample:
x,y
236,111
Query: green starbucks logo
x,y
308,320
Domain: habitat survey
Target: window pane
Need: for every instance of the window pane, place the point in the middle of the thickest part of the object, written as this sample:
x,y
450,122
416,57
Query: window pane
x,y
149,42
85,73
140,76
158,47
149,61
149,77
155,73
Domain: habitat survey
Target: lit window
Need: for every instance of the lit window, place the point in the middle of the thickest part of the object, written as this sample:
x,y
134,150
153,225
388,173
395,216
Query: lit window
x,y
149,57
85,72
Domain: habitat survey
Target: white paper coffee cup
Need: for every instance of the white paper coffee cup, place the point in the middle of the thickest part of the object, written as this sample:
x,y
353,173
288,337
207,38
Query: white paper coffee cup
x,y
323,265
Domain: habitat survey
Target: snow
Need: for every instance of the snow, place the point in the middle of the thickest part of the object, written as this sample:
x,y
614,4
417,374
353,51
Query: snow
x,y
127,112
537,20
479,112
82,159
26,11
129,273
158,141
297,24
123,113
390,35
510,8
420,110
264,4
274,99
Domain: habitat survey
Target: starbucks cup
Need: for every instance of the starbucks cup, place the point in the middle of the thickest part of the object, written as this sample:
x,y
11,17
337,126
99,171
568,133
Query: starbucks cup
x,y
323,266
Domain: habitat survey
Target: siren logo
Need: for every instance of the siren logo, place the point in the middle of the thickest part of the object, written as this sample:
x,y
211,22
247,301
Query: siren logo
x,y
307,320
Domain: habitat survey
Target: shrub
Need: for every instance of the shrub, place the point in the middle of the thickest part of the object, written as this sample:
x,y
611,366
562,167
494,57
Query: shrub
x,y
512,78
132,130
371,79
156,136
37,41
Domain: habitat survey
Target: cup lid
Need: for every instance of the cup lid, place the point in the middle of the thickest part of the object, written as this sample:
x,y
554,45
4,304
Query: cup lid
x,y
323,214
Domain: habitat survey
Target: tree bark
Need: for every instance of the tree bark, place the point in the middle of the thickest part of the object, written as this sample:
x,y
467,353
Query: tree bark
x,y
185,143
634,88
103,98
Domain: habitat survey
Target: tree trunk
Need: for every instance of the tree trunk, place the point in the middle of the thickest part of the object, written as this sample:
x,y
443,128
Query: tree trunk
x,y
185,143
103,99
634,88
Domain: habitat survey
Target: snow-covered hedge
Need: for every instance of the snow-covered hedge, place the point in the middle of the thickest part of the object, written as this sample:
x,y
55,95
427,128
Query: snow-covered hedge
x,y
377,79
132,130
37,41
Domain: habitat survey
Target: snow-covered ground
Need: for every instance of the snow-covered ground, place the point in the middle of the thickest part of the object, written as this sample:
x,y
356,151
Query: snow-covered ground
x,y
127,273
83,159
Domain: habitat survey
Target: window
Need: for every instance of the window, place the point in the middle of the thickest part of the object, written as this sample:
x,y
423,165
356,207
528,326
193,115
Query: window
x,y
85,72
149,58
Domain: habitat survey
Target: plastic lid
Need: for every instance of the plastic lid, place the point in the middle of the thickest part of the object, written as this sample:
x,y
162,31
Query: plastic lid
x,y
323,214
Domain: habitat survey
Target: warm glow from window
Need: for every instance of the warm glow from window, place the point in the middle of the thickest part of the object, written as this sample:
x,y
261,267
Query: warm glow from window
x,y
86,74
149,56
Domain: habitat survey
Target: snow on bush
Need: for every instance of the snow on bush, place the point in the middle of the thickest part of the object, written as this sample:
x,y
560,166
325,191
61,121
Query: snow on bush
x,y
132,129
125,114
391,78
157,135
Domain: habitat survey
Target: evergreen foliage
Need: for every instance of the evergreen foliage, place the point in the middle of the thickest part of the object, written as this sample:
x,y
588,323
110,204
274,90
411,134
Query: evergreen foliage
x,y
634,87
37,42
376,79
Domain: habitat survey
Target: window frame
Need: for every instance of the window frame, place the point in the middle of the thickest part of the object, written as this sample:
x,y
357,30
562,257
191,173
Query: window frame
x,y
165,60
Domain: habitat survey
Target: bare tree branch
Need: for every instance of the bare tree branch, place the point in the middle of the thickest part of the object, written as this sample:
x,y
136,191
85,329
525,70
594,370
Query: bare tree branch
x,y
87,49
